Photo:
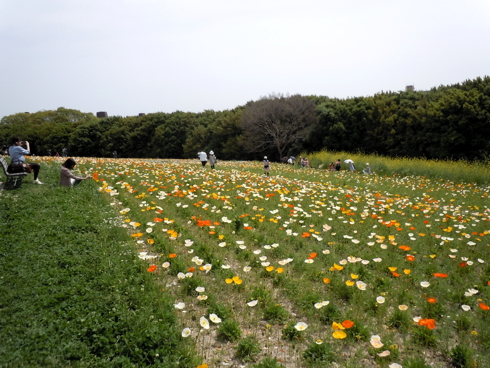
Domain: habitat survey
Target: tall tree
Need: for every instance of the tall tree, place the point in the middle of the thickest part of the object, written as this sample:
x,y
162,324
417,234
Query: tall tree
x,y
277,122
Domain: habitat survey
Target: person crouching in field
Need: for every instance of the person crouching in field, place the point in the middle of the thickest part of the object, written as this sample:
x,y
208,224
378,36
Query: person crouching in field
x,y
66,177
267,166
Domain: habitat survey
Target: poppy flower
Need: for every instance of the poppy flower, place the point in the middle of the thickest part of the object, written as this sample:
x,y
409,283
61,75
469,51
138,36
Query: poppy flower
x,y
172,255
339,334
432,300
484,306
326,280
462,264
152,268
410,258
427,322
301,326
442,275
312,255
337,326
347,323
305,235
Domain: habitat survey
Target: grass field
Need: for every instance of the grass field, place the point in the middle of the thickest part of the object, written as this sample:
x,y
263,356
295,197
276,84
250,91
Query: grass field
x,y
164,263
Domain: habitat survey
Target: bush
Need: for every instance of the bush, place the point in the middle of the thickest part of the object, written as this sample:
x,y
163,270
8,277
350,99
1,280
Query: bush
x,y
247,349
268,363
461,357
229,330
275,313
319,353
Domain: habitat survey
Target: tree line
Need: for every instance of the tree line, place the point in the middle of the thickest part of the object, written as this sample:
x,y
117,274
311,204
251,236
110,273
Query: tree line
x,y
447,122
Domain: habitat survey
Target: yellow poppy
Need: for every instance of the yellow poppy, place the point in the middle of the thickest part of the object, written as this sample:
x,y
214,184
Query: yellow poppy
x,y
339,334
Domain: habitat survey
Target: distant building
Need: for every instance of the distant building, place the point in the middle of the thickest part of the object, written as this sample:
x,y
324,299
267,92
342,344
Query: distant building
x,y
410,88
102,114
141,114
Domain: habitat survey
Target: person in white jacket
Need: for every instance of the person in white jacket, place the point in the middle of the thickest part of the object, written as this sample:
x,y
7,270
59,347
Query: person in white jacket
x,y
203,157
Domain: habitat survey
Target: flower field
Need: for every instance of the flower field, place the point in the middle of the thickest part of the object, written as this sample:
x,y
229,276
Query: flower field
x,y
308,268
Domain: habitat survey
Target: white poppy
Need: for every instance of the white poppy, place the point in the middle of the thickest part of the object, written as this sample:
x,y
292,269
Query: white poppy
x,y
204,322
301,326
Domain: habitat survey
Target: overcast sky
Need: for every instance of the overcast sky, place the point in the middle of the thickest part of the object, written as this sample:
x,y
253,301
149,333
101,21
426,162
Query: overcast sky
x,y
142,56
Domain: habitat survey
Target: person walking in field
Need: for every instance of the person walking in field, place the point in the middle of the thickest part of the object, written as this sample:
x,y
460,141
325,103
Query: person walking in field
x,y
337,165
267,166
212,159
203,157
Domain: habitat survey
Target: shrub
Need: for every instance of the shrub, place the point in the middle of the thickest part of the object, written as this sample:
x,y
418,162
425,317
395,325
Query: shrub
x,y
247,349
418,362
461,357
275,313
290,333
319,353
268,363
229,330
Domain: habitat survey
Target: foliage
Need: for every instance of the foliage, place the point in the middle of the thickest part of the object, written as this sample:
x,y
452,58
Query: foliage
x,y
268,362
444,123
277,122
229,330
319,353
247,349
461,357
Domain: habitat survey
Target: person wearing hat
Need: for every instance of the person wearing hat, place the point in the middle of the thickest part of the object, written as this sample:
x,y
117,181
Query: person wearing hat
x,y
367,170
212,159
67,178
267,166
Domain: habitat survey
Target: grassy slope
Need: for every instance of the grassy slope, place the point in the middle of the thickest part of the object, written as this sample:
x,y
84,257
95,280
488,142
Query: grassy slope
x,y
72,292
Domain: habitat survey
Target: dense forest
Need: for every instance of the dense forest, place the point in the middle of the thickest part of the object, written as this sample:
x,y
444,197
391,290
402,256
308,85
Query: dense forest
x,y
447,122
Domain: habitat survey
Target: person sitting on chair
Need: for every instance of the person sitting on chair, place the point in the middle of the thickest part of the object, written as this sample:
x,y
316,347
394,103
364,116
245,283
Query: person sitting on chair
x,y
17,152
66,176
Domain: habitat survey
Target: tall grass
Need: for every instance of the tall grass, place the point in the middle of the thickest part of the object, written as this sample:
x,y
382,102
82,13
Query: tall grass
x,y
459,171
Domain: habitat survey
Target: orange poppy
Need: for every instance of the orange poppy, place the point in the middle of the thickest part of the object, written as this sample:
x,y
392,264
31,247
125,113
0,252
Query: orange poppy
x,y
431,300
462,264
410,258
443,275
306,235
156,219
152,268
404,247
172,255
203,223
347,323
484,306
326,280
429,323
312,255
191,269
395,274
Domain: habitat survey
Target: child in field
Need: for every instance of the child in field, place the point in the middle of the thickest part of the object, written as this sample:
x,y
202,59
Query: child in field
x,y
67,179
212,159
367,170
267,166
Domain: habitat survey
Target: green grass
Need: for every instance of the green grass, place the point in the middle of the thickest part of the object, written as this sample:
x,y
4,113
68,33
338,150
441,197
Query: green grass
x,y
72,291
